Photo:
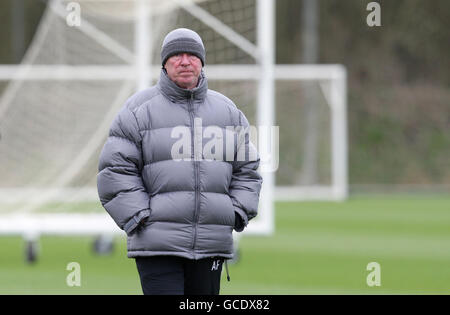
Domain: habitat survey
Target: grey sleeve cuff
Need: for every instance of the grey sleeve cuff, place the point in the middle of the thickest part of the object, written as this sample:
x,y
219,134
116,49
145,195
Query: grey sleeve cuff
x,y
136,220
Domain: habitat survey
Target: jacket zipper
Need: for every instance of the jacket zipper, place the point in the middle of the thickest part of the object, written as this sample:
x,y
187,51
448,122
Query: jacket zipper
x,y
193,156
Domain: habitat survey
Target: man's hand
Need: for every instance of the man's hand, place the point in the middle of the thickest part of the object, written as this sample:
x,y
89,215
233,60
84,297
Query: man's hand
x,y
238,222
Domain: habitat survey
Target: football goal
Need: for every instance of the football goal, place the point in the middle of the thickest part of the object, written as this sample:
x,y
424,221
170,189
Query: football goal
x,y
88,56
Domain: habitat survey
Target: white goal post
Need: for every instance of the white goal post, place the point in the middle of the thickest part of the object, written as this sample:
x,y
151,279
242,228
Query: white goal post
x,y
139,70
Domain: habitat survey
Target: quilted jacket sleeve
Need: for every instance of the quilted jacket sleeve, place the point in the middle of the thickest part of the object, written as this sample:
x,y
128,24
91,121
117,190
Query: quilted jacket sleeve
x,y
246,181
119,182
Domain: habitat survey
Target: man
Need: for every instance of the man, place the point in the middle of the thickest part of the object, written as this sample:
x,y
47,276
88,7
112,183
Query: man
x,y
178,213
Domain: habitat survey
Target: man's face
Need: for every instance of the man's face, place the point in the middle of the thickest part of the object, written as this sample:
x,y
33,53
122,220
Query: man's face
x,y
184,69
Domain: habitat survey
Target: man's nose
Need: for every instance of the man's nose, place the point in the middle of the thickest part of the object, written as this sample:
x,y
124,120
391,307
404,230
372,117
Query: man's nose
x,y
185,59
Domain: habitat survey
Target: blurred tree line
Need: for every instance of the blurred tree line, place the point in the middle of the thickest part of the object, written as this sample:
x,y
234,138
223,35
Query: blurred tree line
x,y
19,19
398,83
398,78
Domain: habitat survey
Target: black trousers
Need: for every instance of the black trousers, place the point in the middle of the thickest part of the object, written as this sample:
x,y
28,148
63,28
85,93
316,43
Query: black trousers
x,y
170,275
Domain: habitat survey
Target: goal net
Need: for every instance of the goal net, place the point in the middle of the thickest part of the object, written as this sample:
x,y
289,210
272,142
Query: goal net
x,y
89,56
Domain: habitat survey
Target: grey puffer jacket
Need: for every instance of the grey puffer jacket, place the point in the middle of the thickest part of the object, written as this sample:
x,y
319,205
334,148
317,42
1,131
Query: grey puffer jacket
x,y
183,207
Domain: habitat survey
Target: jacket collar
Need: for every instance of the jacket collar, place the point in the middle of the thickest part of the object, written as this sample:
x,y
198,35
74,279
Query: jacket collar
x,y
177,94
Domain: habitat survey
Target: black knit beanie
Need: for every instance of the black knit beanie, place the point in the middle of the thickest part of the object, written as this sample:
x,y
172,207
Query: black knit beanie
x,y
182,40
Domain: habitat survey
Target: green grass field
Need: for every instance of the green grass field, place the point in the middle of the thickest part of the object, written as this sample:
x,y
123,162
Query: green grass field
x,y
318,248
